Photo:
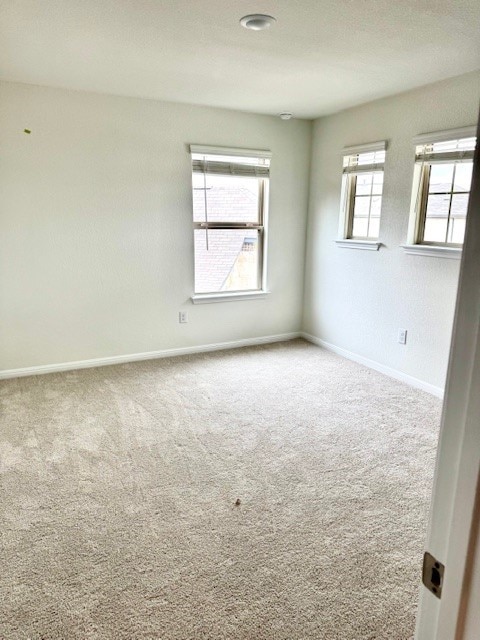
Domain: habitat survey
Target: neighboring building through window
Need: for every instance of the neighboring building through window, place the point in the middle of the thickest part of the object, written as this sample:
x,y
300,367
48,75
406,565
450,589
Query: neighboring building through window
x,y
230,195
443,175
362,191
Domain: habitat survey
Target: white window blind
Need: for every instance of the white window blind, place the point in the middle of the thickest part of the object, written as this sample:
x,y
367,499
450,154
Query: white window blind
x,y
226,162
364,159
206,165
458,150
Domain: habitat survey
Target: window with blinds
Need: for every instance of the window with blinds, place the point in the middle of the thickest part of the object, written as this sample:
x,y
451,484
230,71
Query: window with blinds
x,y
443,176
363,169
230,195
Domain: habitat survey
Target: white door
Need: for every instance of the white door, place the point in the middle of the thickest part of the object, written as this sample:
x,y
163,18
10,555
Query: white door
x,y
454,528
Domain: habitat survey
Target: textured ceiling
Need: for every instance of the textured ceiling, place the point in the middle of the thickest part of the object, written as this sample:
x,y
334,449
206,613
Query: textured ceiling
x,y
321,55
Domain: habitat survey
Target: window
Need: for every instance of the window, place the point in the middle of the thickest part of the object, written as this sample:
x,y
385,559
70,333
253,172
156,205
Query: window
x,y
230,195
443,174
362,191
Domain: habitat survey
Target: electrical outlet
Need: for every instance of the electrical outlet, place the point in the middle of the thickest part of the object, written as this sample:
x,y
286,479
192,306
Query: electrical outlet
x,y
402,336
182,317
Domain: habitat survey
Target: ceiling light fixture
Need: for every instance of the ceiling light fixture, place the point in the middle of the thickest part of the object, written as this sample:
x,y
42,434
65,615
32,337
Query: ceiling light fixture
x,y
286,115
257,21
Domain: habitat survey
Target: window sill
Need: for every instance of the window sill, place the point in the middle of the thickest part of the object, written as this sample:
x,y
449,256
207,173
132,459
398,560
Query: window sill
x,y
366,245
206,298
454,253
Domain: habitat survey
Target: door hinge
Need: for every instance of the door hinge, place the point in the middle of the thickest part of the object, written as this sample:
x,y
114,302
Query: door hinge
x,y
433,572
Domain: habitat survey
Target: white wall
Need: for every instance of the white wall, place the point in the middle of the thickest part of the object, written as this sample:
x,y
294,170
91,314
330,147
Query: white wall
x,y
96,243
357,300
96,246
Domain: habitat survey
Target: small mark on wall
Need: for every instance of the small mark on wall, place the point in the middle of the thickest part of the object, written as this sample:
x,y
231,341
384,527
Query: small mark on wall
x,y
27,131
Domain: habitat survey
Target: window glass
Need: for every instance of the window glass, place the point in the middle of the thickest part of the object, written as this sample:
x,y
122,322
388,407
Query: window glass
x,y
374,228
463,176
367,205
360,227
457,230
447,202
441,176
364,184
226,199
378,183
435,229
226,260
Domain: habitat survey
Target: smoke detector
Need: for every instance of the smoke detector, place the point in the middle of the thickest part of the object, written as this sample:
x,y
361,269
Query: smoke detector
x,y
257,21
286,115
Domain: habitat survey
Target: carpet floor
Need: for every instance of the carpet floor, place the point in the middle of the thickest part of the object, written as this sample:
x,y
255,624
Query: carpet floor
x,y
119,488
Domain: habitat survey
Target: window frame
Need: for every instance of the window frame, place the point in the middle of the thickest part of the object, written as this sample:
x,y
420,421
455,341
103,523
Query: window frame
x,y
349,188
424,193
420,193
261,227
350,204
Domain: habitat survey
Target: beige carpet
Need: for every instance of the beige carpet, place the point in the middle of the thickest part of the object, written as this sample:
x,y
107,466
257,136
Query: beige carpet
x,y
118,491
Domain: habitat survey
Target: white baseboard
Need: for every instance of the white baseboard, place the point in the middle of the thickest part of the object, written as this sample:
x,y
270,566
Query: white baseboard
x,y
149,355
372,364
218,346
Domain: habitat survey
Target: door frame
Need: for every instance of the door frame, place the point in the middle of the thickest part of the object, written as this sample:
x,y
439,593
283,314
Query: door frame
x,y
453,531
